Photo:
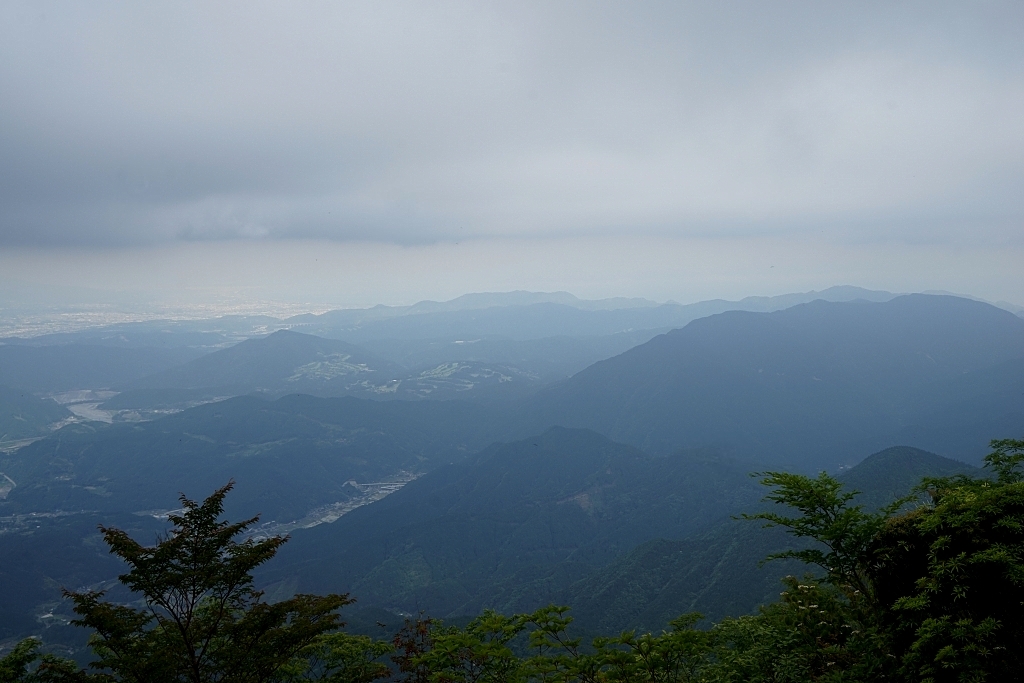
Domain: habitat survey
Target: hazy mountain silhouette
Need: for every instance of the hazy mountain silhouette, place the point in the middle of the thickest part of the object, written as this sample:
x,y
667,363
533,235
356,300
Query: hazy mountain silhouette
x,y
524,315
813,386
280,361
290,362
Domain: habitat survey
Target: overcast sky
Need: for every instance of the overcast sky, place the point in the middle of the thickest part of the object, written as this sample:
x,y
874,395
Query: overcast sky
x,y
364,152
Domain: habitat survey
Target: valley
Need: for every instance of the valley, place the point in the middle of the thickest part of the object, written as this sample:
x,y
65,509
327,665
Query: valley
x,y
496,472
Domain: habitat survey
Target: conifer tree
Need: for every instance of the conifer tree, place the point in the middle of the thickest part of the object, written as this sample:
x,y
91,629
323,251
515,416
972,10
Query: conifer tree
x,y
201,619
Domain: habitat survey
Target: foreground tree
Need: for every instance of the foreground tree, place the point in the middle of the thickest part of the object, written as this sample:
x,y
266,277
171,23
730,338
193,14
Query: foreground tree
x,y
201,619
932,594
494,648
950,576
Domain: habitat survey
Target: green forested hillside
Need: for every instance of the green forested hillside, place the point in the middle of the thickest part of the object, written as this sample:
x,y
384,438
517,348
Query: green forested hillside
x,y
890,474
630,541
558,517
719,572
514,525
929,593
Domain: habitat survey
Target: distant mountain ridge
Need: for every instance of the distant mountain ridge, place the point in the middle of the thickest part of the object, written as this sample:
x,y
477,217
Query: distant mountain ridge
x,y
609,489
534,315
809,386
821,379
284,361
526,335
288,362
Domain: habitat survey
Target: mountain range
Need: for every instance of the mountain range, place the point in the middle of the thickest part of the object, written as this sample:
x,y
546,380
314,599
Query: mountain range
x,y
812,386
611,488
430,334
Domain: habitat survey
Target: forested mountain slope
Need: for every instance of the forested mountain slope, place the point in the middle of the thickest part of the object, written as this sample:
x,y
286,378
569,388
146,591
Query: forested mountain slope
x,y
629,541
514,525
717,572
812,386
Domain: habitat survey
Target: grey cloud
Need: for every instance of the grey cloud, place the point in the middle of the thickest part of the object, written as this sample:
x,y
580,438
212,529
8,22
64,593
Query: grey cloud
x,y
409,122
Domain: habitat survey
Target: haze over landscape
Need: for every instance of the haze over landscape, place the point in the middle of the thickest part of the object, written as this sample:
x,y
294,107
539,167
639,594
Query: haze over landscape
x,y
354,155
496,307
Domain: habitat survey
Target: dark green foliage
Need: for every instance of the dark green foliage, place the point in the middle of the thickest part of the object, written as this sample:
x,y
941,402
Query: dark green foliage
x,y
202,620
25,664
843,532
490,650
16,662
1006,460
813,633
809,635
938,589
951,576
339,658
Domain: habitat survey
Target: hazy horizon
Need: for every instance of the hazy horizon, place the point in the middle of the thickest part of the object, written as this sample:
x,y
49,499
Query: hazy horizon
x,y
346,155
